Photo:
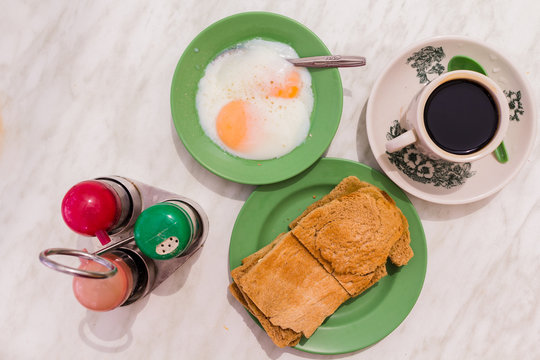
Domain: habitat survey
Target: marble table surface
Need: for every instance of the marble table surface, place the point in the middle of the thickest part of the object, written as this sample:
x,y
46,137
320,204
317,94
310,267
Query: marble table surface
x,y
84,92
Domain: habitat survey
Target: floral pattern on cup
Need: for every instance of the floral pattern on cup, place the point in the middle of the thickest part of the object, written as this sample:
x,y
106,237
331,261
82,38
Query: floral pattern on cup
x,y
425,170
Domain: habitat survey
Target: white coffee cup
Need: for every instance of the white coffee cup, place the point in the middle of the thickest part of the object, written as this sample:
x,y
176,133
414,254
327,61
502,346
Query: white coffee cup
x,y
417,133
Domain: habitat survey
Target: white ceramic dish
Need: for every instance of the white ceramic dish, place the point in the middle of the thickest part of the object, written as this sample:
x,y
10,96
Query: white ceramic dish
x,y
440,181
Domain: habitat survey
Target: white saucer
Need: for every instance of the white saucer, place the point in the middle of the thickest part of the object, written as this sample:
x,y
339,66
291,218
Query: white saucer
x,y
439,181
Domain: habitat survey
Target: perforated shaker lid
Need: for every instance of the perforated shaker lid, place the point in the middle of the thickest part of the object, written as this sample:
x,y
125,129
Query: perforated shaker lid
x,y
163,231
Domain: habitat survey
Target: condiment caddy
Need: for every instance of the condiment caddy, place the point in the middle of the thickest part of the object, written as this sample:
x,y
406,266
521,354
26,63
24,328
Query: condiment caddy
x,y
146,234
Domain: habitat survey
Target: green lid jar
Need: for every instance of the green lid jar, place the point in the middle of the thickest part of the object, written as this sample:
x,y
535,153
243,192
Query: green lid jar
x,y
166,230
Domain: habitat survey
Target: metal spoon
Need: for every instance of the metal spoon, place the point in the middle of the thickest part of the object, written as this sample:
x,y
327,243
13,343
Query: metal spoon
x,y
460,62
329,61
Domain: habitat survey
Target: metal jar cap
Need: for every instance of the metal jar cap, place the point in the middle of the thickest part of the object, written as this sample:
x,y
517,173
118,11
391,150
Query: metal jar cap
x,y
165,230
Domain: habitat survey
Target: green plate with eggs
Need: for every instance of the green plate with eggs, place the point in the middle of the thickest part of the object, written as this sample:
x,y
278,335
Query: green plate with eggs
x,y
223,35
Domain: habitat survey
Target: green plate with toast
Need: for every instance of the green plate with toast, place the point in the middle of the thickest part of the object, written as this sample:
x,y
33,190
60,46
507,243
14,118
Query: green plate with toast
x,y
367,318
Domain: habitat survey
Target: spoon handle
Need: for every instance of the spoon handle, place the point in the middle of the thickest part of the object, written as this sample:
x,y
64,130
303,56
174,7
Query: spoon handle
x,y
500,153
329,61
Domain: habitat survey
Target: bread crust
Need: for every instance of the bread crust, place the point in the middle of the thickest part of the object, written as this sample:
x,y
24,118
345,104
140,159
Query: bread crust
x,y
281,337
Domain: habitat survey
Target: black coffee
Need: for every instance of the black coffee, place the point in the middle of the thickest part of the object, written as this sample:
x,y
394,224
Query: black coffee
x,y
460,116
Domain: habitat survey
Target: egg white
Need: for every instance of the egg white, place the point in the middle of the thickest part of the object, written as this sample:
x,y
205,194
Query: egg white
x,y
244,73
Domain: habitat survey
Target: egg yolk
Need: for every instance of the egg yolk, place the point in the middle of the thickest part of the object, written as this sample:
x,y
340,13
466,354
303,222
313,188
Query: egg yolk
x,y
232,123
289,89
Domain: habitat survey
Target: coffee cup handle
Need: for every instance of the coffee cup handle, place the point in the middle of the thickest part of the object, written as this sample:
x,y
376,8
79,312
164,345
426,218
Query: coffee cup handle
x,y
399,142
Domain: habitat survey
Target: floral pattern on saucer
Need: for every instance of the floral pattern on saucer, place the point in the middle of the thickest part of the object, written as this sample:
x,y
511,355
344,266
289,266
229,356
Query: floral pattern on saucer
x,y
427,61
423,169
430,179
413,163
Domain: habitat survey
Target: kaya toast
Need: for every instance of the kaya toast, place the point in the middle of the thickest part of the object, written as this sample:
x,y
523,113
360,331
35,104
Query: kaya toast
x,y
401,252
291,288
352,235
281,337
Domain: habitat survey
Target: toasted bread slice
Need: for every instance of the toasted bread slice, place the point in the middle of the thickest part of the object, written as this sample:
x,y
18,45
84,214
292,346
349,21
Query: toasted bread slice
x,y
352,235
291,288
346,186
401,252
281,337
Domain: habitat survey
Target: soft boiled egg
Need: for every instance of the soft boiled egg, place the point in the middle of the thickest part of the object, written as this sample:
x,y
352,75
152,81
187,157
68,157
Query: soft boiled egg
x,y
253,103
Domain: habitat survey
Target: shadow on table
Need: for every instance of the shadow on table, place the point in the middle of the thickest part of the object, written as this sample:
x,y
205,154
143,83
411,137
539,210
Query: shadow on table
x,y
208,179
363,149
272,351
178,278
110,332
440,212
